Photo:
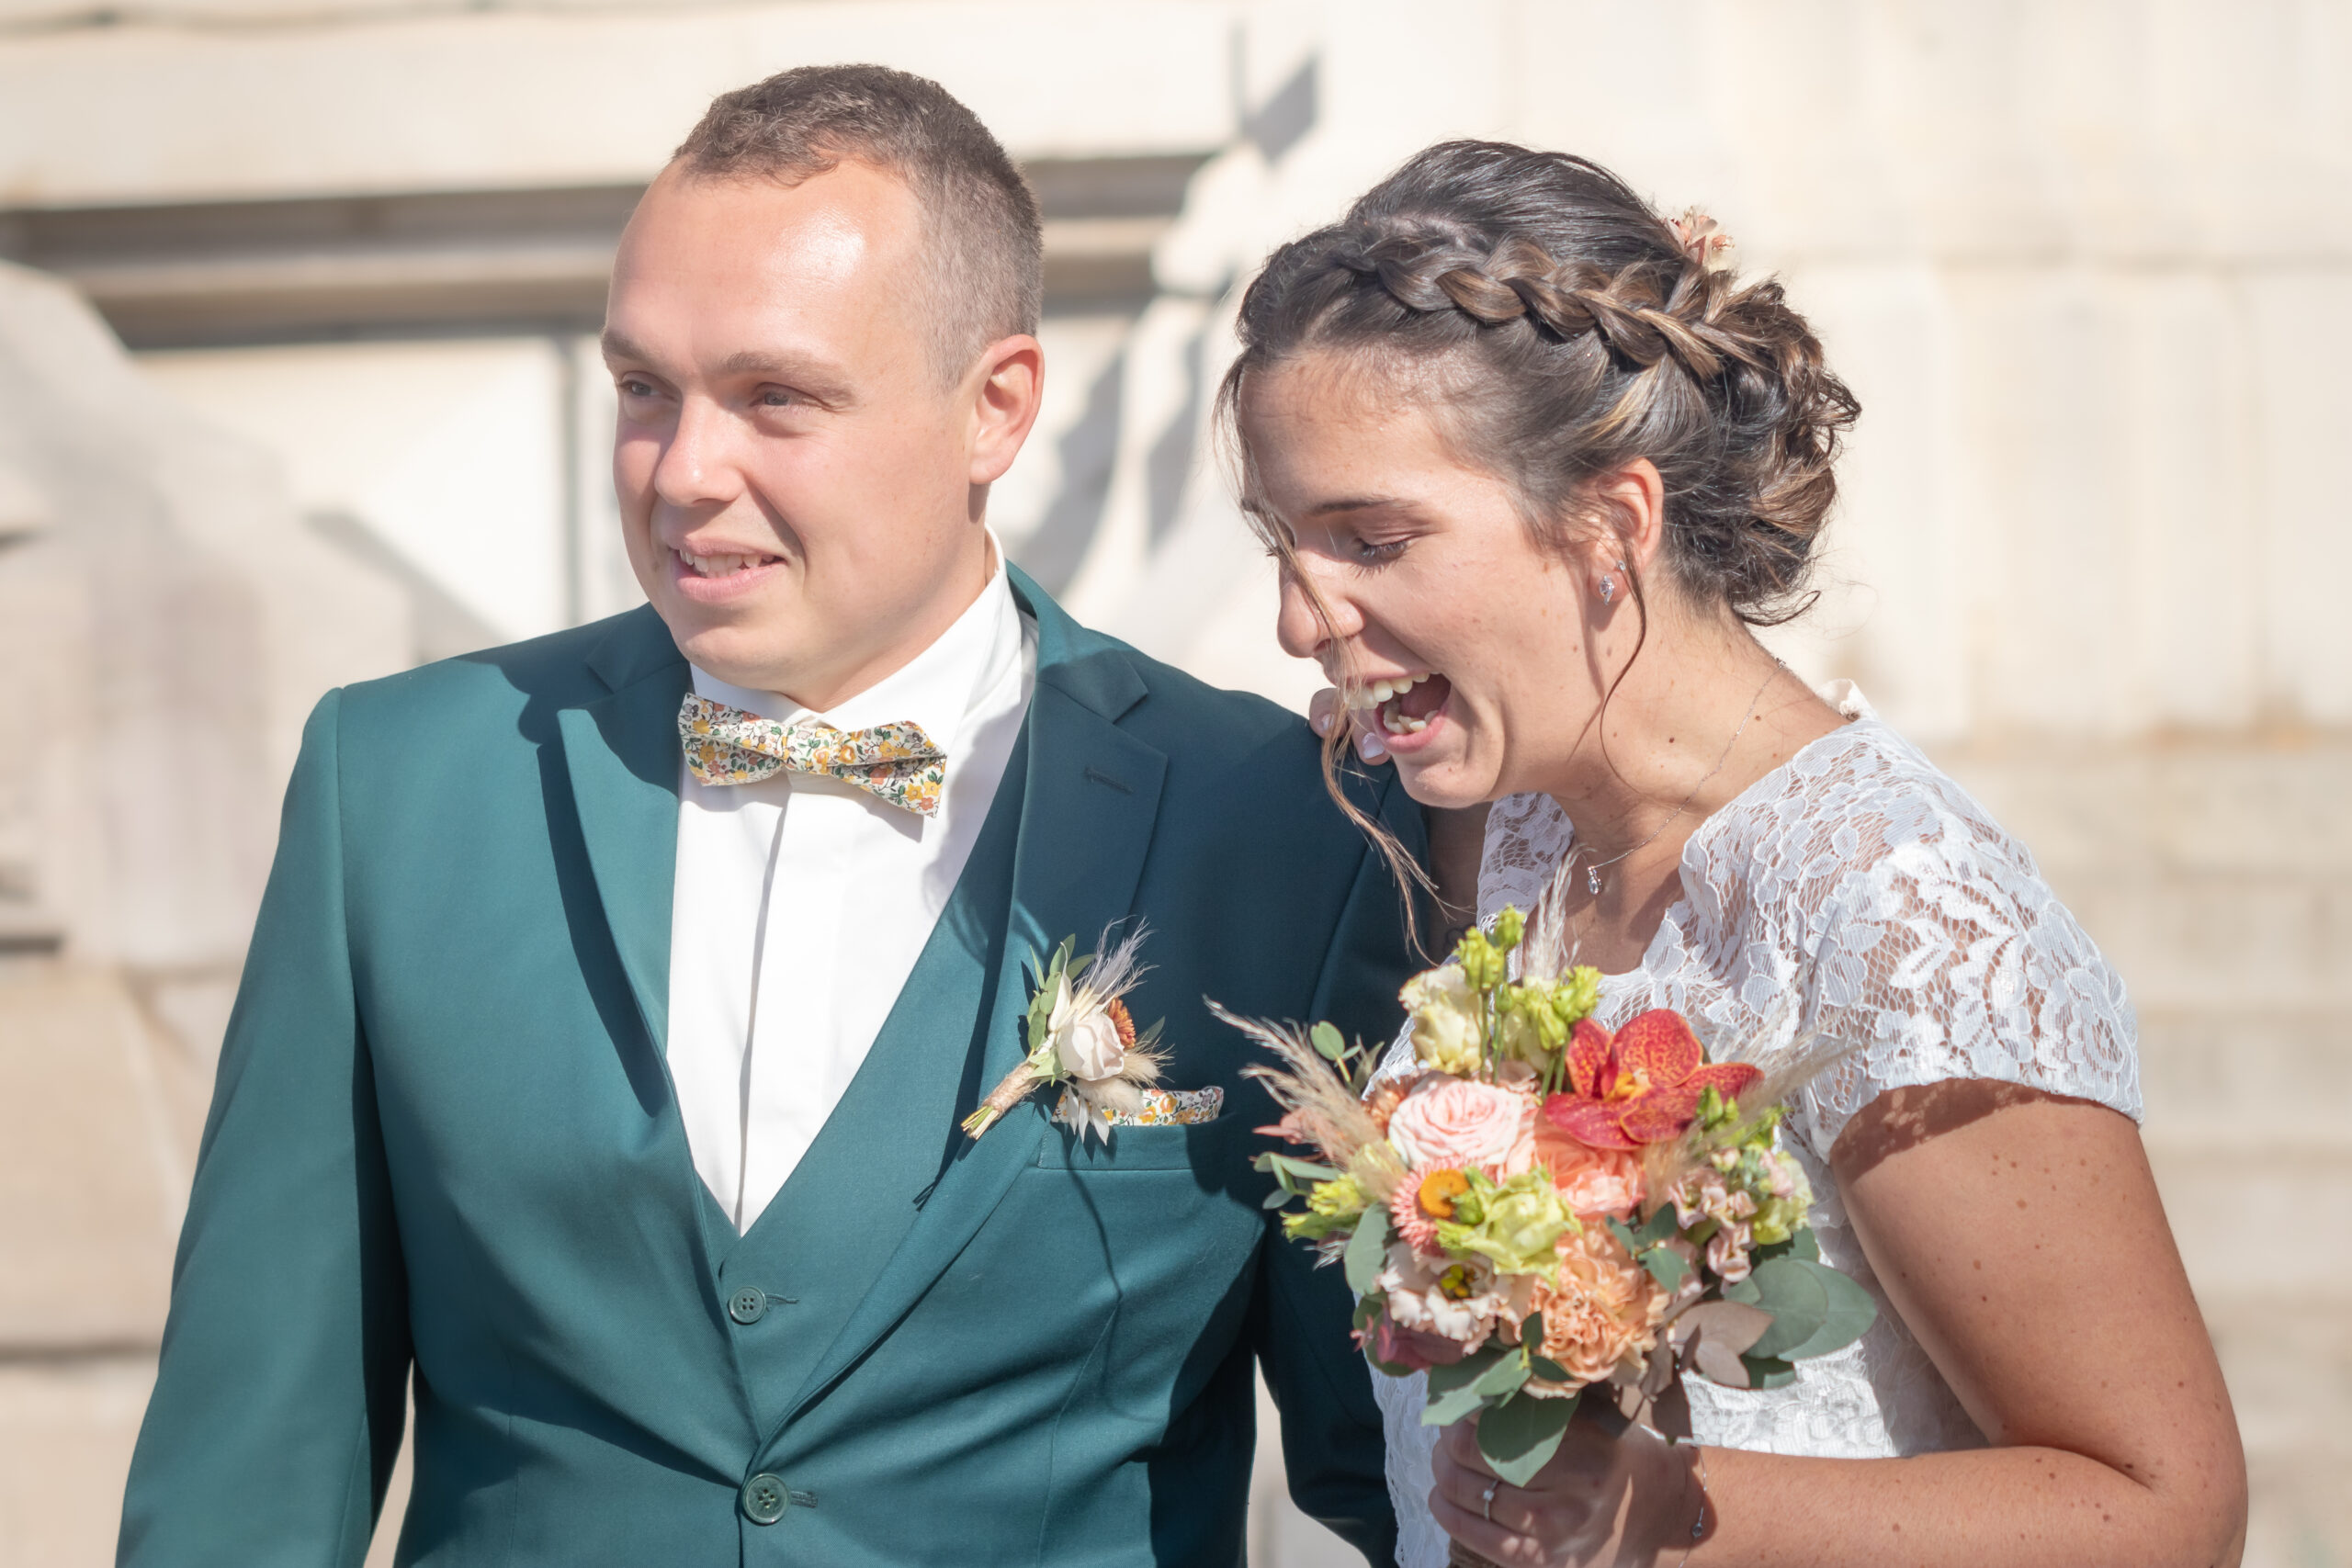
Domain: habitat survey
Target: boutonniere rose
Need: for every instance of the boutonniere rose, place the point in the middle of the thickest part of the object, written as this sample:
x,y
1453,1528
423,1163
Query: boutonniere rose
x,y
1081,1036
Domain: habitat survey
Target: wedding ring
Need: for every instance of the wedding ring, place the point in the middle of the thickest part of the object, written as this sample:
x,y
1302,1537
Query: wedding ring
x,y
1487,1497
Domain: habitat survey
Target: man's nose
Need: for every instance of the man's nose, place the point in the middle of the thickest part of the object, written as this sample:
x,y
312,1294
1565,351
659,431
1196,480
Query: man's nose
x,y
697,460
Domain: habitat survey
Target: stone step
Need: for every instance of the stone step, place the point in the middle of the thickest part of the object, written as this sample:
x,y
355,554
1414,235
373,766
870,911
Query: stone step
x,y
2250,1078
2251,1224
2219,940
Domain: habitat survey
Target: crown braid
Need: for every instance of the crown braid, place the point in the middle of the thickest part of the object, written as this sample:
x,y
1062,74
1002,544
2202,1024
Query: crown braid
x,y
1593,334
1518,281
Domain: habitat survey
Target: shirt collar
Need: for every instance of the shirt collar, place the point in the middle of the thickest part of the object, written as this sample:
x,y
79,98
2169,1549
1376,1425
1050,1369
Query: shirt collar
x,y
937,689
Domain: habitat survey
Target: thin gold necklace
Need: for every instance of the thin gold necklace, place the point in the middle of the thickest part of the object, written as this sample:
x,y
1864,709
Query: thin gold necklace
x,y
1592,873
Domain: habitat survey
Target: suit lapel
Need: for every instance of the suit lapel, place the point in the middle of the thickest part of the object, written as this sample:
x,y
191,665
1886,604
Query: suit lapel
x,y
622,756
1090,798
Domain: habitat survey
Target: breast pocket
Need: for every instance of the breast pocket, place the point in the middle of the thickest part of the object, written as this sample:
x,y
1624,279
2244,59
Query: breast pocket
x,y
1169,1217
1209,1149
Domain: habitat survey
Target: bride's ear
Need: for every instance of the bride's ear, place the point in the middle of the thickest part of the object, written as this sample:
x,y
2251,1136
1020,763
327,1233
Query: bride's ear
x,y
1629,505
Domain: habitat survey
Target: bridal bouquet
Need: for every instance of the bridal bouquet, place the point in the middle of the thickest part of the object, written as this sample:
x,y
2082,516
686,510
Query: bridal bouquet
x,y
1578,1211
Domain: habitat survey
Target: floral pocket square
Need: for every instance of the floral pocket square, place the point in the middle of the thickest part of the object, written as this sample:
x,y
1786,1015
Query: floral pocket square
x,y
1172,1107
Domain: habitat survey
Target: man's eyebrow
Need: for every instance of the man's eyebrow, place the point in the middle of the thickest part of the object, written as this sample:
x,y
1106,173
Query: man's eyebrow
x,y
810,374
615,346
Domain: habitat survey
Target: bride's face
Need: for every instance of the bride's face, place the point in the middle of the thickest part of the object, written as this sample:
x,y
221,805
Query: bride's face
x,y
1429,578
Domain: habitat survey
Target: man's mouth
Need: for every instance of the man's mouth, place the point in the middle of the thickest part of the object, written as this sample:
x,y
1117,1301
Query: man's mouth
x,y
1406,704
720,565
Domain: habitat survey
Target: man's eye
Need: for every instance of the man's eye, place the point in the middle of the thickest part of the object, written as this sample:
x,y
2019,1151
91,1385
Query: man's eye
x,y
632,388
777,398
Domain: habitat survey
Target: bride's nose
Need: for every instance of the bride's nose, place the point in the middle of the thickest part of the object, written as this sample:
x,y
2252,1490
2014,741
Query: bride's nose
x,y
1312,620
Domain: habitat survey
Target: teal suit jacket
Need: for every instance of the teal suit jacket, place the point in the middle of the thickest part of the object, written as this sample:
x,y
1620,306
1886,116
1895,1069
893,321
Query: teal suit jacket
x,y
443,1141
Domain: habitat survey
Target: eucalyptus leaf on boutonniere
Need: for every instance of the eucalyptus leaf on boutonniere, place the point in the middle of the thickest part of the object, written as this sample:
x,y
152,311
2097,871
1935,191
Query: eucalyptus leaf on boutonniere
x,y
1081,1037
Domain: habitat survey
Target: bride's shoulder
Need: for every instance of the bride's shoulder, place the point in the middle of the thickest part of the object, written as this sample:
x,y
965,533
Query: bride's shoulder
x,y
1861,805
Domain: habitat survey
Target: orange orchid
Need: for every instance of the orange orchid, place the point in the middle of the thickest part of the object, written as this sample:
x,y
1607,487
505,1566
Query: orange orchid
x,y
1641,1085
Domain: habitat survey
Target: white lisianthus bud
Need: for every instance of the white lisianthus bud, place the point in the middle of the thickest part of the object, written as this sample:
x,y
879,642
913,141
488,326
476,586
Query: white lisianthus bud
x,y
1089,1047
1445,1024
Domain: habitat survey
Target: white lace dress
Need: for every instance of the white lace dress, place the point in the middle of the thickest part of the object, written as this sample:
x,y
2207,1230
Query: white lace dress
x,y
1861,878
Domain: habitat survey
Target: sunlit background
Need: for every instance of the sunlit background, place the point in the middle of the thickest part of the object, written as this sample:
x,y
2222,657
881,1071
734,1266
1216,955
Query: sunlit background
x,y
297,387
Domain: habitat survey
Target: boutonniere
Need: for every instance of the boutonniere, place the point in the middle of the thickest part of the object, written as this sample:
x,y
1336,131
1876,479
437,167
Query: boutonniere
x,y
1081,1037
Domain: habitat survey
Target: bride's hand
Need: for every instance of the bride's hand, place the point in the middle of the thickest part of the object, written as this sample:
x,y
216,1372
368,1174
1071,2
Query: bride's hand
x,y
1622,1497
1325,704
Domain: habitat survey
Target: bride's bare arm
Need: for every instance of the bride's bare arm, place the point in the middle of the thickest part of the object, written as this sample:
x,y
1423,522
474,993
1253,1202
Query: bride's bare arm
x,y
2021,1237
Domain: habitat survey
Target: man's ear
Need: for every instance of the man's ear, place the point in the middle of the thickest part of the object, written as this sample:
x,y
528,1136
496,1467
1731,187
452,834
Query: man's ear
x,y
1007,392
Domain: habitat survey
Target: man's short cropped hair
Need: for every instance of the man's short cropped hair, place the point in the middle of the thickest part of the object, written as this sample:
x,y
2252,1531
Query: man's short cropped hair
x,y
985,241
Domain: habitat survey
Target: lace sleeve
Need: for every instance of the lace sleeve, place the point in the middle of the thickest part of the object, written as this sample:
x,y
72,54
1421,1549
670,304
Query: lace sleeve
x,y
1947,956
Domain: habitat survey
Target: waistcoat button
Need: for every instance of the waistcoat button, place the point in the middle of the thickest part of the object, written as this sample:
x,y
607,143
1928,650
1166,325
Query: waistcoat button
x,y
747,1305
764,1499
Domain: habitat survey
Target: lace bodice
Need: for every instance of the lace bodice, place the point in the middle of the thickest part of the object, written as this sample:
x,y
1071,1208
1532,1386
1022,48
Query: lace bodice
x,y
1861,889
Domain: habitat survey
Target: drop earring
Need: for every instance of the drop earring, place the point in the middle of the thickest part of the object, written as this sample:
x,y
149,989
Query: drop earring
x,y
1608,589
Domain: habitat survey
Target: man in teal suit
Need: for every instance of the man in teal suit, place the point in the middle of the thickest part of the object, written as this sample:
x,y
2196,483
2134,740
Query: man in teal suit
x,y
669,1215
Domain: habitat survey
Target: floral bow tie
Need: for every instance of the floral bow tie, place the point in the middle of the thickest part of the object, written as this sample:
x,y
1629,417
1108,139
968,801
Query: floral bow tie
x,y
895,763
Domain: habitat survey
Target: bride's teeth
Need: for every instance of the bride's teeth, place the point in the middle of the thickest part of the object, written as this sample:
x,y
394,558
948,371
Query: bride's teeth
x,y
1381,691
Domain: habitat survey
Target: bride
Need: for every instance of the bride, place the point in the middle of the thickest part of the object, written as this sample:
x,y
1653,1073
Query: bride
x,y
1534,462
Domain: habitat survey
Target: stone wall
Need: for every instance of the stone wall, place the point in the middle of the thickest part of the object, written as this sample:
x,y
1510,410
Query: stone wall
x,y
2085,261
164,626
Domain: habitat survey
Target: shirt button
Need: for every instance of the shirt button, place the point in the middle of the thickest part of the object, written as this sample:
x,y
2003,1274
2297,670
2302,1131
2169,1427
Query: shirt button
x,y
764,1499
747,1305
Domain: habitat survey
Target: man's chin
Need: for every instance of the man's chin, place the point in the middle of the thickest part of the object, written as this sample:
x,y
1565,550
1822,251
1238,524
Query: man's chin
x,y
737,653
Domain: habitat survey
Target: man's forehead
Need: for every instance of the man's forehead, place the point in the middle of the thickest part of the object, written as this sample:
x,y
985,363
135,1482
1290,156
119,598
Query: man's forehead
x,y
829,223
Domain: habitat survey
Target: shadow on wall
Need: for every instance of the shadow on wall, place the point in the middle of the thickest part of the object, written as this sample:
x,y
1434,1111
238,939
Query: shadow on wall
x,y
441,627
1088,451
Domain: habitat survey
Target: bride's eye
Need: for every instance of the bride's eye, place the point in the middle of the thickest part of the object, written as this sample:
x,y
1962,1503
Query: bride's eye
x,y
1375,552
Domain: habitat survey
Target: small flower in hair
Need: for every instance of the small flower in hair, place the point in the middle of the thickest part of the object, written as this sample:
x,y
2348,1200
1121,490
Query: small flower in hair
x,y
1702,238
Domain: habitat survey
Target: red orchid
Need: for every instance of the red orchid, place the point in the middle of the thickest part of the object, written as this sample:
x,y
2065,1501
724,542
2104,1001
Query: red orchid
x,y
1641,1085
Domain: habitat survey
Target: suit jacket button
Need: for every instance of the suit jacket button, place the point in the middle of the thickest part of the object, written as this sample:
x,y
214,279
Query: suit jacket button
x,y
765,1498
747,1305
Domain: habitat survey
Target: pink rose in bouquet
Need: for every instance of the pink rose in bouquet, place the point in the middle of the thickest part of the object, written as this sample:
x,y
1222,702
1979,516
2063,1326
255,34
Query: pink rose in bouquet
x,y
1449,1122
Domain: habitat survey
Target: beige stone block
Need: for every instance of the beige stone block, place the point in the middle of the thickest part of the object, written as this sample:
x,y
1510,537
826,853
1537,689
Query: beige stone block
x,y
1896,562
2300,324
2242,1218
2243,1079
2269,804
66,1431
95,1161
432,100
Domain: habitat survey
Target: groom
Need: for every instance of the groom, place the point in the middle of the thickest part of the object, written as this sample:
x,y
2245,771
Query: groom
x,y
606,1094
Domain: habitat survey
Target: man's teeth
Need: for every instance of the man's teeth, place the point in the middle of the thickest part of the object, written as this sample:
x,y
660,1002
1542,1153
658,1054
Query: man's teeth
x,y
721,566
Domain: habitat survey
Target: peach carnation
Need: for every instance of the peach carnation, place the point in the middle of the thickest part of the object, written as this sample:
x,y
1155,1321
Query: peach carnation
x,y
1594,1181
1601,1311
1454,1121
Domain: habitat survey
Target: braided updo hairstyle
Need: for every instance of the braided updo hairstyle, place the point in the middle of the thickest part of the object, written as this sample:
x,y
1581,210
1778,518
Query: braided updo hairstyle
x,y
1572,331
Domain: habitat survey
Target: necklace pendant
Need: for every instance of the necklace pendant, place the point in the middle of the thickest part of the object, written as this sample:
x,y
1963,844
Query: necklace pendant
x,y
1592,880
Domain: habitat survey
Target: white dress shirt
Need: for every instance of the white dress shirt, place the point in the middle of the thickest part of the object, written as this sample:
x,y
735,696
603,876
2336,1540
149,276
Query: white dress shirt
x,y
801,903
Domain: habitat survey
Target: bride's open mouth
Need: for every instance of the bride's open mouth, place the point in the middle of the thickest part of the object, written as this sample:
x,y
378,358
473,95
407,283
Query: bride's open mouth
x,y
1406,704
